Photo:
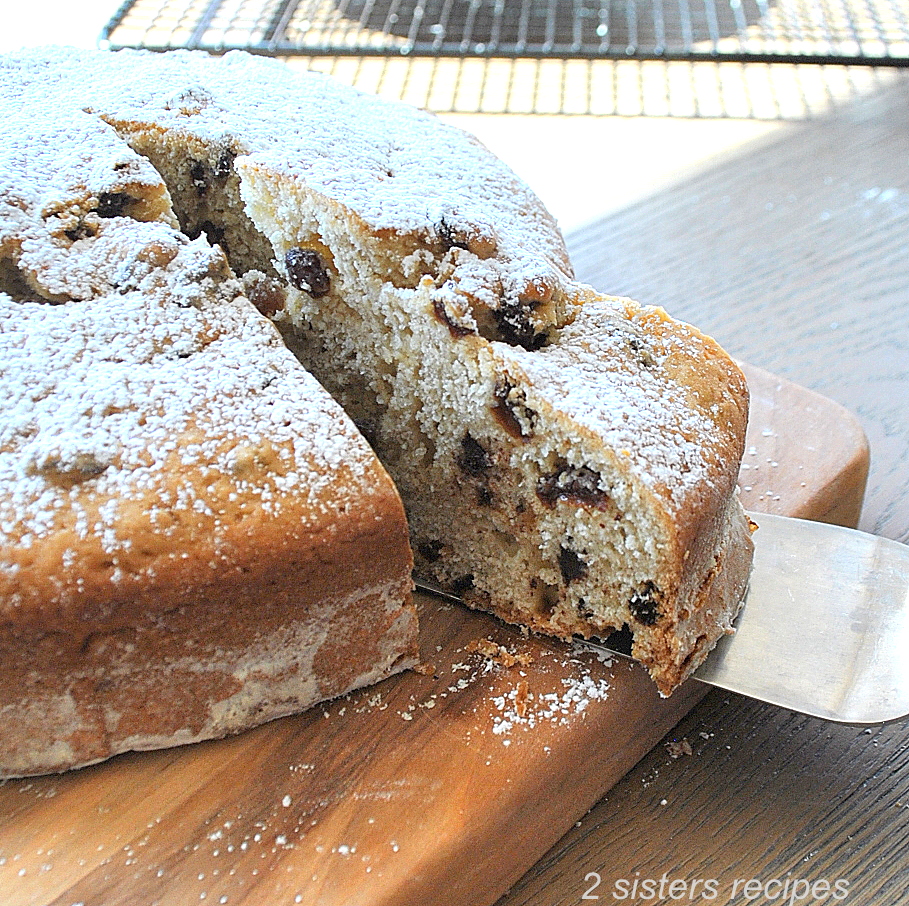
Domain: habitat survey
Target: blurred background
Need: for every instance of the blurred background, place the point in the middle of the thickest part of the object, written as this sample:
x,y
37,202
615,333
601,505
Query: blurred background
x,y
595,103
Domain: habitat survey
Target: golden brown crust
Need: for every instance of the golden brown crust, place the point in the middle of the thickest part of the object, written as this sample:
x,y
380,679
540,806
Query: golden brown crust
x,y
193,536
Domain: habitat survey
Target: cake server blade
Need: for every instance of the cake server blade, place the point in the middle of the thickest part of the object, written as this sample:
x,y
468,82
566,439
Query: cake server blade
x,y
824,629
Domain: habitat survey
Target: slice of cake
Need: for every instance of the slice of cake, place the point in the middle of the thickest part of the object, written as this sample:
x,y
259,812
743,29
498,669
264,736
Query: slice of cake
x,y
194,538
567,460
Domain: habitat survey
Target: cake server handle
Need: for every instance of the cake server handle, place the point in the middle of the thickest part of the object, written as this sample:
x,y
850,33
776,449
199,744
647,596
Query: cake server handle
x,y
824,629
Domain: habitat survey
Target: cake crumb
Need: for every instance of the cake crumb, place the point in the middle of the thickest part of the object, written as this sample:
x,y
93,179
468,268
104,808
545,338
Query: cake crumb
x,y
498,653
521,699
678,747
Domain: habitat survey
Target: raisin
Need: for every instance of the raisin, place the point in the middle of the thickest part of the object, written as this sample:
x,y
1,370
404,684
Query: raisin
x,y
264,292
510,411
515,328
571,566
451,236
645,604
307,272
579,484
478,239
81,230
430,551
455,329
639,348
473,459
70,470
112,204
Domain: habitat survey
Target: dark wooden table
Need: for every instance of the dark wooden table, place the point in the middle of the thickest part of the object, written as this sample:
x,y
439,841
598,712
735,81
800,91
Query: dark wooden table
x,y
794,253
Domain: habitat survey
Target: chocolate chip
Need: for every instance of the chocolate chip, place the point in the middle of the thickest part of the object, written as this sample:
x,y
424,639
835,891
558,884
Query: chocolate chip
x,y
571,566
213,233
645,604
225,163
462,584
307,272
473,459
113,204
578,484
621,640
511,412
200,176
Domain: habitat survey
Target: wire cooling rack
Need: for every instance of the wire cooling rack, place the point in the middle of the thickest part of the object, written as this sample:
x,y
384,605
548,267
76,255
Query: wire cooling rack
x,y
492,55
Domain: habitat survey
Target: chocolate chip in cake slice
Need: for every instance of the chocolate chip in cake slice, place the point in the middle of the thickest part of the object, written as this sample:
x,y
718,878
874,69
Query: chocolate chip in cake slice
x,y
473,458
571,565
644,604
430,551
200,176
113,204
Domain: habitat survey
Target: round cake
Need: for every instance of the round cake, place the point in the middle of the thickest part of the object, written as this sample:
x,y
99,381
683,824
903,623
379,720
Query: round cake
x,y
567,460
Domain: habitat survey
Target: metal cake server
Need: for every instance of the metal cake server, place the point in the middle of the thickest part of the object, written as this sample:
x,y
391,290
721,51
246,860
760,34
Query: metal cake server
x,y
825,625
824,629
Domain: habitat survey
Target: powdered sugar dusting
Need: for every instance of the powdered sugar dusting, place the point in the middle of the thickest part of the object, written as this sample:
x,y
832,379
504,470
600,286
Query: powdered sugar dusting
x,y
172,407
399,169
520,707
669,443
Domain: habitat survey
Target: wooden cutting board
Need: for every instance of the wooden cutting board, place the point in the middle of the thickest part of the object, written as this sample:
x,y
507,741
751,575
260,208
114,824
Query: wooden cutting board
x,y
432,788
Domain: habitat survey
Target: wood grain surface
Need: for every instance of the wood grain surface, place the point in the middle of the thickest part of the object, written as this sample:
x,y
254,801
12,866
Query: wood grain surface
x,y
794,253
436,787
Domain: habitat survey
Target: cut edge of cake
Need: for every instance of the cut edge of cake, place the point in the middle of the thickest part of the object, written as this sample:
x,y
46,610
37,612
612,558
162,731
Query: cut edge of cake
x,y
459,321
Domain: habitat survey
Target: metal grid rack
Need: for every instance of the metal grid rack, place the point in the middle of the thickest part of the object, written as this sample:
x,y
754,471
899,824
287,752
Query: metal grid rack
x,y
494,46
